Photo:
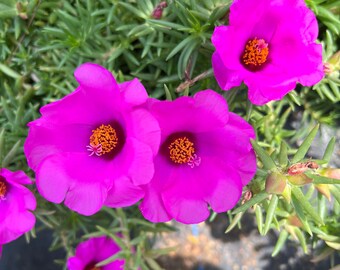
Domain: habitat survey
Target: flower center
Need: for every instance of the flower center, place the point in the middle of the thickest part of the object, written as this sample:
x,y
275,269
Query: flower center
x,y
92,266
182,150
255,53
3,188
103,140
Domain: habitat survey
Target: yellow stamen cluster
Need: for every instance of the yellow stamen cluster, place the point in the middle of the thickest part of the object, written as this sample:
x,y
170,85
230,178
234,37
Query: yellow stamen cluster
x,y
255,53
181,150
106,136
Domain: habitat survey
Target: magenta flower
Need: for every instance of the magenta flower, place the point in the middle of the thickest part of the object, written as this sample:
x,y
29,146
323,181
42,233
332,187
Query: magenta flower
x,y
270,45
16,204
93,251
205,158
96,146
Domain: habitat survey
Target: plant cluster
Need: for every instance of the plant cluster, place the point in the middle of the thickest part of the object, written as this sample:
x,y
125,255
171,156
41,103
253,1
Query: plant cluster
x,y
177,49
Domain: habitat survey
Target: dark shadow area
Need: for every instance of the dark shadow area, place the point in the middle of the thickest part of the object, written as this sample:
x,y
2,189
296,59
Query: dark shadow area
x,y
221,222
181,263
18,255
291,257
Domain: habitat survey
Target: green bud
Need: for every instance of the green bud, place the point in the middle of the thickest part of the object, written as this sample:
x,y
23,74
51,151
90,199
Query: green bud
x,y
299,179
332,66
324,190
287,193
330,172
276,183
294,221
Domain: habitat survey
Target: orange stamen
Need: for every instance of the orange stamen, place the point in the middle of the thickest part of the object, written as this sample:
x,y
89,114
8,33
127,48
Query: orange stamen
x,y
255,53
105,138
3,188
181,150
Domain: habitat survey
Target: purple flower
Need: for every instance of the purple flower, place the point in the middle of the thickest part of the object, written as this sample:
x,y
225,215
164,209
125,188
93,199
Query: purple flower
x,y
270,45
96,146
205,158
16,204
93,251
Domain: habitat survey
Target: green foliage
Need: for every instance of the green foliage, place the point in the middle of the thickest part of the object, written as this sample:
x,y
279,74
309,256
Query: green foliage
x,y
305,215
41,44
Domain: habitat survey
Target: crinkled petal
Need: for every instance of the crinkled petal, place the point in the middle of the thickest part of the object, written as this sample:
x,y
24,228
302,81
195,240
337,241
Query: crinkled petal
x,y
152,206
250,11
133,92
144,127
18,177
93,76
246,167
227,191
82,179
15,225
75,263
82,108
226,78
44,140
260,93
179,200
86,199
224,39
187,211
18,199
6,234
238,122
190,115
24,197
95,250
136,160
21,222
123,193
213,103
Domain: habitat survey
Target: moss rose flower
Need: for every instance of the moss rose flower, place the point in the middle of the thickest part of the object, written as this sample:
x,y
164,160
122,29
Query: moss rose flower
x,y
93,251
96,146
205,158
16,204
270,45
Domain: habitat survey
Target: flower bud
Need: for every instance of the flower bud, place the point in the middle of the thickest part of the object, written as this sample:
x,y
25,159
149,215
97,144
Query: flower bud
x,y
330,172
276,183
294,221
287,193
299,179
333,64
158,11
324,190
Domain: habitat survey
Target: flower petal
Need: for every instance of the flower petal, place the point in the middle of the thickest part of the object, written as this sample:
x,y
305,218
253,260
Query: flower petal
x,y
144,127
213,103
224,38
18,177
226,78
187,211
136,160
44,140
227,191
82,179
123,193
133,92
94,76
